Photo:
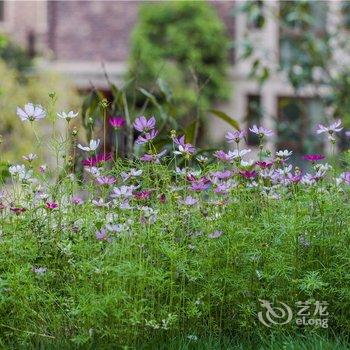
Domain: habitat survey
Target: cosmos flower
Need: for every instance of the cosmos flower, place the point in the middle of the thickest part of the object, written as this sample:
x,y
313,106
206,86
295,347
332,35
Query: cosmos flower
x,y
30,157
141,124
18,210
116,122
313,157
100,203
39,270
101,235
153,158
123,191
331,129
235,136
93,145
248,174
189,201
51,205
133,173
222,156
142,195
31,112
147,137
215,234
67,116
77,200
96,160
264,165
183,147
346,177
261,131
105,180
284,154
238,153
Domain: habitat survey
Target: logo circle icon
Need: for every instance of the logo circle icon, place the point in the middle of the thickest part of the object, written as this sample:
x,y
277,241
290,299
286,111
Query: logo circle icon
x,y
274,315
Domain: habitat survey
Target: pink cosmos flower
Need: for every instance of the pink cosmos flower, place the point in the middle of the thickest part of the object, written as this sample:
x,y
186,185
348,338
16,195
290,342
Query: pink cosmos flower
x,y
96,160
313,157
235,136
51,205
77,200
143,125
261,131
333,128
116,122
149,136
105,180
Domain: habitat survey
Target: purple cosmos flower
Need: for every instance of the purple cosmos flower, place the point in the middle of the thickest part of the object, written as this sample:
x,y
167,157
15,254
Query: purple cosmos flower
x,y
183,147
221,175
147,137
200,185
143,125
223,188
153,158
100,203
31,112
331,129
116,122
123,191
313,157
215,234
261,131
96,160
51,205
105,180
190,201
235,136
101,235
346,177
222,156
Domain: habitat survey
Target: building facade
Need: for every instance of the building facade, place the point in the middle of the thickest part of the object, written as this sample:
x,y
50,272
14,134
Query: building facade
x,y
75,37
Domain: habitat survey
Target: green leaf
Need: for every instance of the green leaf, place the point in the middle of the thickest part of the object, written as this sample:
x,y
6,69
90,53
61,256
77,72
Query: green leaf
x,y
223,116
189,132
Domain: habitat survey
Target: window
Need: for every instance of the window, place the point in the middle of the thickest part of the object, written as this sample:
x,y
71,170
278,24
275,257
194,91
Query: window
x,y
296,125
2,11
254,116
298,18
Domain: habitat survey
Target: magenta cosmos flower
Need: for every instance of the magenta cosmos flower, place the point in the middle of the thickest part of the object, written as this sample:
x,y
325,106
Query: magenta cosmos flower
x,y
142,195
51,205
313,157
96,160
117,122
248,174
141,124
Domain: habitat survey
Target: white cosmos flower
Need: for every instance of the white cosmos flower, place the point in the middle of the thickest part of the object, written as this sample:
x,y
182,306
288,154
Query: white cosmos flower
x,y
236,153
284,154
93,145
67,116
31,112
20,172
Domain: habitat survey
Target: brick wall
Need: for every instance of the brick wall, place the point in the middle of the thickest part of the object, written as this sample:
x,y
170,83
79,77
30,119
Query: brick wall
x,y
100,30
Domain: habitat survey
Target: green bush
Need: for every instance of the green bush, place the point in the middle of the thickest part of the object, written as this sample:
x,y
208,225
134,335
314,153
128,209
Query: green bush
x,y
175,41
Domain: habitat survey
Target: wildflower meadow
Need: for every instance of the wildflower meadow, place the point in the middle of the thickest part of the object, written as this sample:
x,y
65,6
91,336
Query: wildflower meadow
x,y
173,243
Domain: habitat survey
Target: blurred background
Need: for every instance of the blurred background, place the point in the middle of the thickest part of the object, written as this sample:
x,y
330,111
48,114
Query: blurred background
x,y
202,67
